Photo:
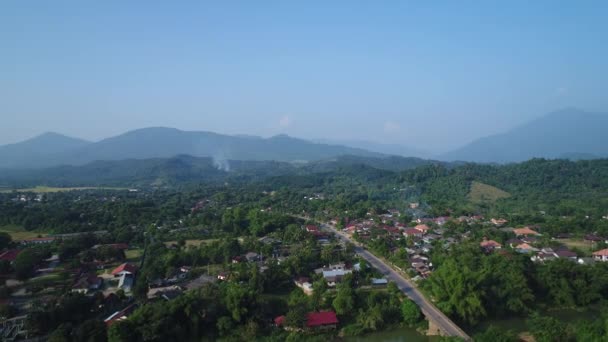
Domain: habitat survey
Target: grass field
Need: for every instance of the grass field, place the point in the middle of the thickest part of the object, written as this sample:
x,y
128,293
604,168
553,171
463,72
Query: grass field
x,y
481,193
189,243
133,255
19,233
581,244
46,189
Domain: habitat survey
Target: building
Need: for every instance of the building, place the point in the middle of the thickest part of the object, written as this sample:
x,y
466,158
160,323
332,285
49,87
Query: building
x,y
423,228
524,232
87,283
305,284
490,245
601,255
321,320
10,255
498,222
124,269
379,281
38,241
412,232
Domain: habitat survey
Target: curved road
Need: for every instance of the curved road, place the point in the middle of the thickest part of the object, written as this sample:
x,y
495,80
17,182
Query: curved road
x,y
446,325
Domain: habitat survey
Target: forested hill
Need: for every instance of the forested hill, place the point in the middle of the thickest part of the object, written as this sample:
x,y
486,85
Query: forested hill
x,y
559,187
536,185
184,169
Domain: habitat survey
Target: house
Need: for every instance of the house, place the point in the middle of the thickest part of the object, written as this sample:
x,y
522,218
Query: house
x,y
120,315
498,222
125,281
525,248
334,277
279,321
222,276
312,229
524,232
412,232
38,241
321,320
490,245
379,281
566,254
87,283
593,238
601,255
334,273
10,255
124,269
305,284
514,242
252,256
423,228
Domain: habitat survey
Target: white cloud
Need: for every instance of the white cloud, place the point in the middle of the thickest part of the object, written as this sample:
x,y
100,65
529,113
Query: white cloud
x,y
391,127
285,121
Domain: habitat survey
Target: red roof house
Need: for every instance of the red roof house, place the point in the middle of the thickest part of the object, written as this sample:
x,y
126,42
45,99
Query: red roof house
x,y
490,244
321,319
279,321
423,228
124,269
312,229
601,255
10,255
524,231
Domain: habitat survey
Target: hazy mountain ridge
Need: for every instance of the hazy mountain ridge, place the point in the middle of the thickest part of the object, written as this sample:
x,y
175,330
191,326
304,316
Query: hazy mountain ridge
x,y
568,133
160,142
34,151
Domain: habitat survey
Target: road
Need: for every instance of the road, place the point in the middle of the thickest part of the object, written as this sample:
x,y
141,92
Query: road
x,y
446,325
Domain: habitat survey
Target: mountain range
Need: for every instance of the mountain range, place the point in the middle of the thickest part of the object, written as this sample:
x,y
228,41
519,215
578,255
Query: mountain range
x,y
568,134
51,149
565,134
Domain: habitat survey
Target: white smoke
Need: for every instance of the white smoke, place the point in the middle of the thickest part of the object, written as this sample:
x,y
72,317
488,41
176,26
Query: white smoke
x,y
221,162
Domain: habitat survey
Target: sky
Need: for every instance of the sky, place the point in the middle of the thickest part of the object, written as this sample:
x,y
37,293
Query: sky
x,y
433,76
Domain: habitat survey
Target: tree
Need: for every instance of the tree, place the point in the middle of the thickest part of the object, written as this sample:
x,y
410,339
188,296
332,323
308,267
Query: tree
x,y
494,334
344,303
91,331
296,316
122,331
5,240
410,312
25,263
547,329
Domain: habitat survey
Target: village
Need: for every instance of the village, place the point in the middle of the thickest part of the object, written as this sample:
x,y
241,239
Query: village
x,y
108,271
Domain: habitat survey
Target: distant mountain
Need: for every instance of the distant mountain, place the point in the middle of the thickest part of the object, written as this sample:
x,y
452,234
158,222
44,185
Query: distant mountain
x,y
160,142
38,150
390,149
569,133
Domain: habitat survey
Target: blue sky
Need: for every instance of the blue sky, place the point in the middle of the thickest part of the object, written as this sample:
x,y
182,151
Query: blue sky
x,y
433,76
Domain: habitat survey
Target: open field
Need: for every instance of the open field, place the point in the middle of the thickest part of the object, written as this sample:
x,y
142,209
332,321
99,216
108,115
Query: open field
x,y
19,233
46,189
189,243
481,192
133,255
585,246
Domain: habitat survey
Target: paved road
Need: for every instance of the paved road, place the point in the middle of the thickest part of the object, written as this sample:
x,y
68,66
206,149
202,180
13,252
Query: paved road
x,y
429,310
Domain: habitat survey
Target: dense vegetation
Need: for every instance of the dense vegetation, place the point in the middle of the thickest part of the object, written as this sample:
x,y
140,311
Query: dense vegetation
x,y
231,212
